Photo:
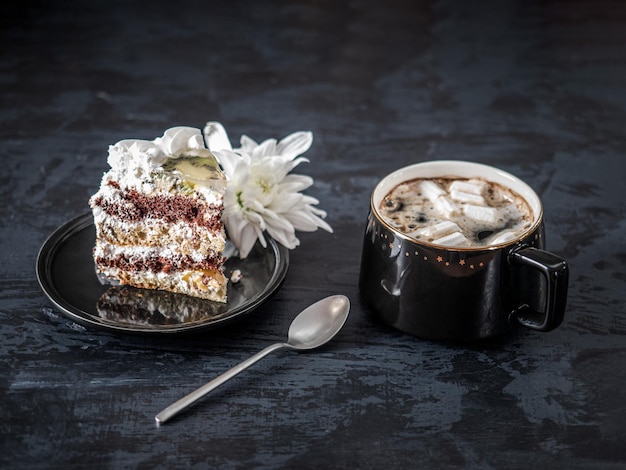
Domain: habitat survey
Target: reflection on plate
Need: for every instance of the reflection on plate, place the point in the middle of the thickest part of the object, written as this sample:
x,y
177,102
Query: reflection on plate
x,y
125,305
67,275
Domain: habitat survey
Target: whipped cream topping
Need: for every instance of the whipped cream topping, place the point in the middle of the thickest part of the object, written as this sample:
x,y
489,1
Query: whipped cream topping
x,y
140,157
135,163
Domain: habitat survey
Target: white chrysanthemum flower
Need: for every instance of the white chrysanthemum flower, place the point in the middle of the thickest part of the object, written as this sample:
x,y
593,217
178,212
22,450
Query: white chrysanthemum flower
x,y
261,194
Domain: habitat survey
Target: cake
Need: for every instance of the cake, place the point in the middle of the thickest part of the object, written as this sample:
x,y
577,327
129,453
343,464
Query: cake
x,y
158,216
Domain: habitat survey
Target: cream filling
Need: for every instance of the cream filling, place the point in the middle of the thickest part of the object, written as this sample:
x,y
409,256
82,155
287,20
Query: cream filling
x,y
143,254
154,232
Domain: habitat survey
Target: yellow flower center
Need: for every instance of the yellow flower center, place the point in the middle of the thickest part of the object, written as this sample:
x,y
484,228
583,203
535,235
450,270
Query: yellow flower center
x,y
265,185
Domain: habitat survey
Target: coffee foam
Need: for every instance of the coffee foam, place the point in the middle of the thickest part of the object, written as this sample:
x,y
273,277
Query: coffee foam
x,y
460,212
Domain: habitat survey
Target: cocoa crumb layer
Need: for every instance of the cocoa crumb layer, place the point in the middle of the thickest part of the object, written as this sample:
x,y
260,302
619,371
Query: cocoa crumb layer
x,y
158,263
170,208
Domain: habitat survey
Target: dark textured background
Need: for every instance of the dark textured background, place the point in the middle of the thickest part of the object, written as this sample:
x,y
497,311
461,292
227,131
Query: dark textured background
x,y
534,87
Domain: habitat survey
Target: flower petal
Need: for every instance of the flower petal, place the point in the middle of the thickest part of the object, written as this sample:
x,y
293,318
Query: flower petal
x,y
295,144
215,137
229,161
295,183
308,221
266,148
296,162
283,232
248,238
247,145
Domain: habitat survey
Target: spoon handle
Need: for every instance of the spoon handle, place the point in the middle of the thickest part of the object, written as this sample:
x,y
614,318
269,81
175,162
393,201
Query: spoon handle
x,y
187,400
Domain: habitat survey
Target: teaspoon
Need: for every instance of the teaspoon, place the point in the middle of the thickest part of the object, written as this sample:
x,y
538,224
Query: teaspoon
x,y
313,327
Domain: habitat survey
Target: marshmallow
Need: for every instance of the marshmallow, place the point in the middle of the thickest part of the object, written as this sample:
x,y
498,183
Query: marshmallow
x,y
431,190
487,215
468,198
439,230
470,187
503,237
445,207
453,239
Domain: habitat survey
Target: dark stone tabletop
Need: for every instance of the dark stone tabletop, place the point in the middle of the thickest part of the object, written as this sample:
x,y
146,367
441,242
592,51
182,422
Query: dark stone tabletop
x,y
536,88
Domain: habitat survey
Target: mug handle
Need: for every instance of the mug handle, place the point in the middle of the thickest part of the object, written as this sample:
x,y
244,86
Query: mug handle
x,y
556,274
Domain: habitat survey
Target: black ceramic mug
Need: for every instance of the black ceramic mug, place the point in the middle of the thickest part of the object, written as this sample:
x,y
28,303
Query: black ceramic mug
x,y
461,293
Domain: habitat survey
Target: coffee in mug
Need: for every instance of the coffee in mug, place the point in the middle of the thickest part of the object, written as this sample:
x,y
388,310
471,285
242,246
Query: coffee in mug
x,y
455,251
454,211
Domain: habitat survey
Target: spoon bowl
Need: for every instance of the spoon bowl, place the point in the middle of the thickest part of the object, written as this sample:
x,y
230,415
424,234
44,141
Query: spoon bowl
x,y
314,326
318,323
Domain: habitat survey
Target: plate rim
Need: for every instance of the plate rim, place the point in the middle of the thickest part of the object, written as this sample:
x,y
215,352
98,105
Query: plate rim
x,y
61,234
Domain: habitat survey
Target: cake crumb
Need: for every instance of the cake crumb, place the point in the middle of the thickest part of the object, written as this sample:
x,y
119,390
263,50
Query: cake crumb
x,y
235,276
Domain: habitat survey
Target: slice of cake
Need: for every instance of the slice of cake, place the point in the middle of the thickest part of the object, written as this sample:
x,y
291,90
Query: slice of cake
x,y
158,216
